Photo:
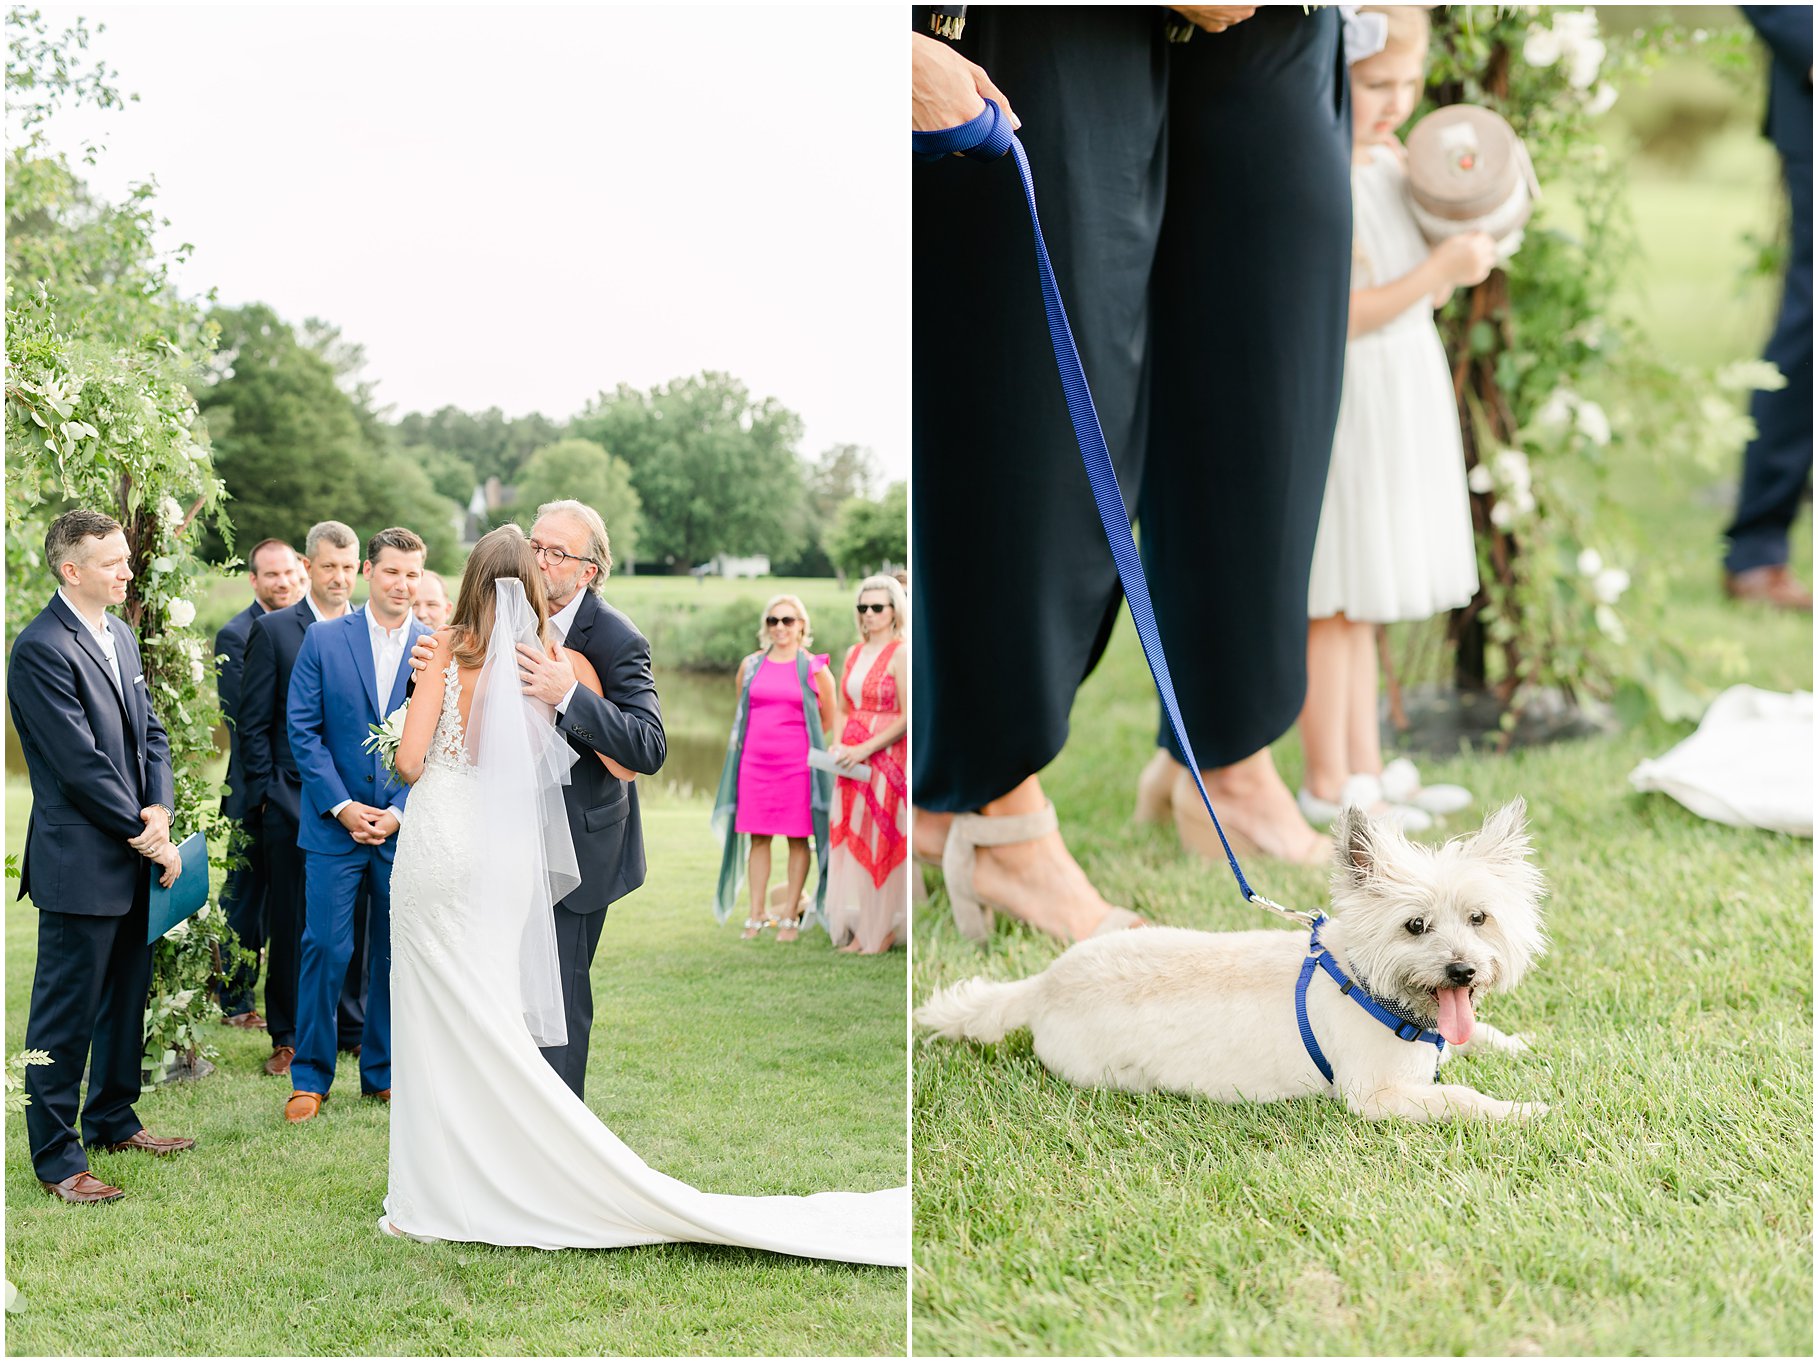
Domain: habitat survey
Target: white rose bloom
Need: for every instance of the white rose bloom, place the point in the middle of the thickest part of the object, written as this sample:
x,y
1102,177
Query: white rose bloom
x,y
1586,61
1479,480
1511,467
1603,101
1524,501
1593,423
180,613
1611,625
1749,375
196,672
1542,47
1556,412
1610,585
171,512
1590,563
1502,515
1575,26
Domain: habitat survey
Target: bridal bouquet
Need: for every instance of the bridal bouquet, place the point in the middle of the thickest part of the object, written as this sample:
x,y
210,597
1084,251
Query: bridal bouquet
x,y
384,738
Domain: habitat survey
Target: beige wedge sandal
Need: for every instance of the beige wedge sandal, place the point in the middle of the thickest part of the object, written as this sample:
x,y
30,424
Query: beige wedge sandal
x,y
970,831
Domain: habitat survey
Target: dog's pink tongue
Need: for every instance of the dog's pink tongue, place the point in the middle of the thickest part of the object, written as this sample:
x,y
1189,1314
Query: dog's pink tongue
x,y
1455,1015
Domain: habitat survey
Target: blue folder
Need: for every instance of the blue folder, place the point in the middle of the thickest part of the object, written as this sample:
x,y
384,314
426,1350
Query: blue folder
x,y
186,896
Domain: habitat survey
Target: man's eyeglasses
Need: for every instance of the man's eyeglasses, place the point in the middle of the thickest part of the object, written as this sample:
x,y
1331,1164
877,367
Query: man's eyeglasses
x,y
558,556
875,607
771,621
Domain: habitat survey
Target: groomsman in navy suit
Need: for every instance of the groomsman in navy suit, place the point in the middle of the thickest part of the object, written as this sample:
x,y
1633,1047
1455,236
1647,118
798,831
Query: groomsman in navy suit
x,y
274,789
1777,466
101,811
350,674
272,569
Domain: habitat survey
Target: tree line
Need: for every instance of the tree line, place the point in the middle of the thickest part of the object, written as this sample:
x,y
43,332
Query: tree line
x,y
681,472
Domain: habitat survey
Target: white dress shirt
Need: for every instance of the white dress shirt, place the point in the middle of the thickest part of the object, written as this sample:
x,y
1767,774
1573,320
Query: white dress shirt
x,y
559,625
104,639
387,653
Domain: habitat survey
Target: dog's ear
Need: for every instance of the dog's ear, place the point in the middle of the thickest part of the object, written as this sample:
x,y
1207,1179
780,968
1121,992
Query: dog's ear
x,y
1357,851
1505,833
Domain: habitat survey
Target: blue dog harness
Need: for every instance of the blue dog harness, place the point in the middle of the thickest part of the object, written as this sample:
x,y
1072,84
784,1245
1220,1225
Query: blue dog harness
x,y
1318,955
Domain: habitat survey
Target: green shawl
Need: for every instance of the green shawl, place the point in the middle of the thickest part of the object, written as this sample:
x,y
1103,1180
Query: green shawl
x,y
736,846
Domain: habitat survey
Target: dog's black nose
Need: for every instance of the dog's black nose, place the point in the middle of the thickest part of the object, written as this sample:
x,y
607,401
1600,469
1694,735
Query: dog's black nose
x,y
1460,973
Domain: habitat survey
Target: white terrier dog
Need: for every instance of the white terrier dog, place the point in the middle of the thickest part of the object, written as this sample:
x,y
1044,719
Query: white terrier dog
x,y
1420,931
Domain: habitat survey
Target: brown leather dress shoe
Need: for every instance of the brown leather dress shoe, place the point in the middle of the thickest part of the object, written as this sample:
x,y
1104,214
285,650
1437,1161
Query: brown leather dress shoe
x,y
82,1189
147,1143
245,1021
303,1106
1771,585
279,1063
382,1095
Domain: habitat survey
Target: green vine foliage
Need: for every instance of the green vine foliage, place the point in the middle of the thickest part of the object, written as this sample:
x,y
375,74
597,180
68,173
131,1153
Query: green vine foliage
x,y
1537,345
101,350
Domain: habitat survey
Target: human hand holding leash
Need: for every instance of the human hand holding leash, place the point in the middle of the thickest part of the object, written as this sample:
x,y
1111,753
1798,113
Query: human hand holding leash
x,y
947,90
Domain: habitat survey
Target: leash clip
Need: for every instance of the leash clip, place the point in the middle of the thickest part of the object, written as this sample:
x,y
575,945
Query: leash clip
x,y
1293,915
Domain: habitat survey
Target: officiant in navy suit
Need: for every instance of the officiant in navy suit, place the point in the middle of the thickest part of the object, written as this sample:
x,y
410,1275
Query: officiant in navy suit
x,y
350,675
274,789
626,724
101,808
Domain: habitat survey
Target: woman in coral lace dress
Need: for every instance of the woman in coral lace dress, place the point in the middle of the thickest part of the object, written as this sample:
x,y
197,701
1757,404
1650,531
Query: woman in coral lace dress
x,y
867,889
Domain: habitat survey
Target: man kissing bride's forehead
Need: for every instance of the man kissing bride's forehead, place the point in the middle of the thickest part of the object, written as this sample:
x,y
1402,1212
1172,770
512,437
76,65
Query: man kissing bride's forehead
x,y
534,713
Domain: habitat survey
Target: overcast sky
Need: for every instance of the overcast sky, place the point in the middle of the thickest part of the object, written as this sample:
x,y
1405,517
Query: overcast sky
x,y
518,207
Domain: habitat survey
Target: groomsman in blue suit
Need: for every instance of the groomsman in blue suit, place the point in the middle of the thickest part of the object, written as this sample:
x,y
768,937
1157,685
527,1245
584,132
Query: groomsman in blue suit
x,y
349,675
101,811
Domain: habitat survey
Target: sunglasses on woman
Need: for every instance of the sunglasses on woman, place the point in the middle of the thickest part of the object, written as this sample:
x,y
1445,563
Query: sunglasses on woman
x,y
875,607
771,621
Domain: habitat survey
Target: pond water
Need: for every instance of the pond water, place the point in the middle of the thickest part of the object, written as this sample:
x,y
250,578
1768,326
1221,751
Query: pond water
x,y
697,715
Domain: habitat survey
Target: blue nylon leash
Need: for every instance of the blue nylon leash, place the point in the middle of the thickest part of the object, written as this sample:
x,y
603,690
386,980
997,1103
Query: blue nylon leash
x,y
986,137
1319,957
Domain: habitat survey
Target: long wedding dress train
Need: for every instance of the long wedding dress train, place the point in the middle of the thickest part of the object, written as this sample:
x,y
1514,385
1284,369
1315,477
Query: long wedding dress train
x,y
487,1143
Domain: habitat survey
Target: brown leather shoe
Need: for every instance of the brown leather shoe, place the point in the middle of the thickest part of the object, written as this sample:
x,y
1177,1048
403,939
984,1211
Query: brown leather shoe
x,y
147,1143
279,1063
82,1189
382,1095
303,1106
1771,585
245,1021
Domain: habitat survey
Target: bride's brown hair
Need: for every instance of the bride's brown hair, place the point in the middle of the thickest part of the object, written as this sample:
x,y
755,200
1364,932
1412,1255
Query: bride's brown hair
x,y
505,552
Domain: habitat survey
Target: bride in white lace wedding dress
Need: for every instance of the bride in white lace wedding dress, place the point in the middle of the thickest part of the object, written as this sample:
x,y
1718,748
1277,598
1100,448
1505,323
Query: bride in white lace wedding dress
x,y
487,1143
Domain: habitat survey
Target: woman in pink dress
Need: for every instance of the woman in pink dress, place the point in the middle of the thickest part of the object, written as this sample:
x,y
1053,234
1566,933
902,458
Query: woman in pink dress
x,y
867,889
786,707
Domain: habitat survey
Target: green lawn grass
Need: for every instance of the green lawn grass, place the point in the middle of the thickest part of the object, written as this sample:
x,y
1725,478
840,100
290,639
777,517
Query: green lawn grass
x,y
738,1067
1663,1207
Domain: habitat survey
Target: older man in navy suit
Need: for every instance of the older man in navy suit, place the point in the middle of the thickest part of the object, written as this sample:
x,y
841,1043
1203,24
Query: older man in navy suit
x,y
272,569
626,724
101,811
350,675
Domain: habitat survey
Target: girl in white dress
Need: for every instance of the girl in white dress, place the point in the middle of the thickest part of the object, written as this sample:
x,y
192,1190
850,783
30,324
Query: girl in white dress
x,y
1395,540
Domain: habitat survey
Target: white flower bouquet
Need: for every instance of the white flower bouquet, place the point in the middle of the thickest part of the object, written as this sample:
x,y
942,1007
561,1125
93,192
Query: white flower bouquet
x,y
384,738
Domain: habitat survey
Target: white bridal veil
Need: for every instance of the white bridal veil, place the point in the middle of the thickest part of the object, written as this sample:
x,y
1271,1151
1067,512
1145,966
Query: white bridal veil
x,y
526,861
